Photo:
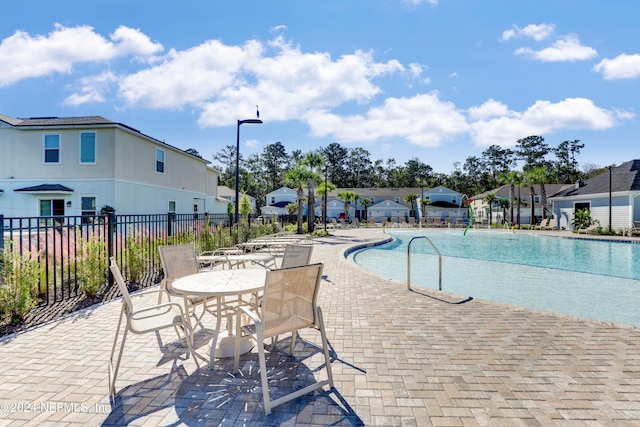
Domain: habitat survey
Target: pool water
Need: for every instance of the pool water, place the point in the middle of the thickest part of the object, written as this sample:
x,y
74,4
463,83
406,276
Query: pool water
x,y
586,278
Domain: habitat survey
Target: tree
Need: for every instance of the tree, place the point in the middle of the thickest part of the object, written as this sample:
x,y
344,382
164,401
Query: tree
x,y
335,157
425,203
245,205
567,165
504,204
411,198
497,160
193,152
347,197
324,188
365,204
359,168
528,181
532,150
227,158
274,158
298,177
541,175
490,199
313,162
511,178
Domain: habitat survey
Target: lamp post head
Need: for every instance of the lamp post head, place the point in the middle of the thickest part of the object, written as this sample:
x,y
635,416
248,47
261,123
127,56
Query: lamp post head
x,y
251,121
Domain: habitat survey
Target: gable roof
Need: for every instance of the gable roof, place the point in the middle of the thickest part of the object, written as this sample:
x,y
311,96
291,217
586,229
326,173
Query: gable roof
x,y
625,177
81,121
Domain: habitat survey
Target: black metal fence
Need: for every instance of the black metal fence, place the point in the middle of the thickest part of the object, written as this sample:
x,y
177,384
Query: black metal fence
x,y
57,243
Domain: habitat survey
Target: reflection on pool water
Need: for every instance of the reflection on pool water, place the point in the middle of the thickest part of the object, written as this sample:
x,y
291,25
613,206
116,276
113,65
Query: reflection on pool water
x,y
593,279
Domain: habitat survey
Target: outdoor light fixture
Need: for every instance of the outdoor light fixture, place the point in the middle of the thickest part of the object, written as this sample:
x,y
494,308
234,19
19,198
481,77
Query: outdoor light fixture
x,y
240,122
69,204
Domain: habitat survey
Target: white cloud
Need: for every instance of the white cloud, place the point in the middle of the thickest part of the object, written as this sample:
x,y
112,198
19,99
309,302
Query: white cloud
x,y
536,32
622,66
92,89
423,120
24,56
566,49
490,108
541,118
291,82
417,2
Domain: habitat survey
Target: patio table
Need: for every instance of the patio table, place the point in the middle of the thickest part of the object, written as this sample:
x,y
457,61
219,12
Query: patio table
x,y
218,285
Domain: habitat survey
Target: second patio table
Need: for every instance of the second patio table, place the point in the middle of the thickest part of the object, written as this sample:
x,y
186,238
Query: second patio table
x,y
219,285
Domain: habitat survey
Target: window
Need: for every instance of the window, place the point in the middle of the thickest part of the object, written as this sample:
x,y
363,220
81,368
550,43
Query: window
x,y
172,206
273,200
536,199
52,207
397,199
52,148
159,160
454,200
373,199
87,147
583,206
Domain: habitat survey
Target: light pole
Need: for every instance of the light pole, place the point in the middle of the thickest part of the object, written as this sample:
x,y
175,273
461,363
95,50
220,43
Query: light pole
x,y
325,198
240,122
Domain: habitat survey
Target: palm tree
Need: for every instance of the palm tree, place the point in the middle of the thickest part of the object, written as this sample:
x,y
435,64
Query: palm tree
x,y
314,162
411,198
347,197
424,203
298,177
323,188
490,198
512,178
504,204
365,204
541,175
527,180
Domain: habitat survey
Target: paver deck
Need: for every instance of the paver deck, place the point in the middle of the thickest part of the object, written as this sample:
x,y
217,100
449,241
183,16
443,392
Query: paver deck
x,y
400,358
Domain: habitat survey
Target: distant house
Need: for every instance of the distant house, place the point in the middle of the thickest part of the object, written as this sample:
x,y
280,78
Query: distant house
x,y
388,209
521,211
277,201
444,204
611,197
229,196
75,165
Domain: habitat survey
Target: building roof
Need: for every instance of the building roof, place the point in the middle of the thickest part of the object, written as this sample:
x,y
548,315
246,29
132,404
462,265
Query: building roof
x,y
625,177
80,121
45,188
503,191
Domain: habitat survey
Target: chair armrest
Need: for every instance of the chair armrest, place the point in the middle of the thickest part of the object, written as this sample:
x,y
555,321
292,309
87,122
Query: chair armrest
x,y
155,307
151,291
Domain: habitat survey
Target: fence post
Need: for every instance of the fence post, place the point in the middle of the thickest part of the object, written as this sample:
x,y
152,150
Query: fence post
x,y
170,217
2,226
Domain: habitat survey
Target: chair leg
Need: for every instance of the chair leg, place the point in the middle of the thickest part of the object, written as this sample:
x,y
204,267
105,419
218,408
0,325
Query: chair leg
x,y
325,345
263,374
113,372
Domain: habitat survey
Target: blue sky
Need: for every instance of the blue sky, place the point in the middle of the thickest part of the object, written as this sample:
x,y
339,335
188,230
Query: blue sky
x,y
439,80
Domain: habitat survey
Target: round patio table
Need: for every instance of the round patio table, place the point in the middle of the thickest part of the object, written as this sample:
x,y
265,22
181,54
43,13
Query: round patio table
x,y
218,285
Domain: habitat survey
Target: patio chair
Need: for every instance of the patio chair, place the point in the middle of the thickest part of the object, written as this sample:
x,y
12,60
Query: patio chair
x,y
143,320
296,255
177,261
289,304
588,230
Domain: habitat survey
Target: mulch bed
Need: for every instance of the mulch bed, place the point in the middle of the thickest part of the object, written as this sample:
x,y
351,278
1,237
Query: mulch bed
x,y
53,311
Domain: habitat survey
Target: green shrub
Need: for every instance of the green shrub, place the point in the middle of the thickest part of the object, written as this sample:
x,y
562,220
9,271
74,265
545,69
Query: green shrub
x,y
135,259
19,276
92,265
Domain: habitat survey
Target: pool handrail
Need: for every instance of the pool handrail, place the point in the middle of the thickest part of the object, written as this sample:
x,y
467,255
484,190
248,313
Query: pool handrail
x,y
409,261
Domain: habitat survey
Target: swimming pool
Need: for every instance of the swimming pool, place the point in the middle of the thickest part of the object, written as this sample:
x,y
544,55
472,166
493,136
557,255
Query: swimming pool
x,y
586,278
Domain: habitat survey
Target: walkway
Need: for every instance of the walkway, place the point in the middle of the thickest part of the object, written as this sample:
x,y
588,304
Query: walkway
x,y
401,358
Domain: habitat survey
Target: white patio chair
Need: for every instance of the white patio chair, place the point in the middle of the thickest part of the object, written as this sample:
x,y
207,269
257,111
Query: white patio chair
x,y
296,255
180,261
143,320
289,304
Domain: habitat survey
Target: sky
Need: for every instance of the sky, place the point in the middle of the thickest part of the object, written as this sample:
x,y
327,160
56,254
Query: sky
x,y
436,80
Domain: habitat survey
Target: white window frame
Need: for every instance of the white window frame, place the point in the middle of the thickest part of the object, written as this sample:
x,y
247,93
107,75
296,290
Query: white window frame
x,y
44,149
95,148
159,161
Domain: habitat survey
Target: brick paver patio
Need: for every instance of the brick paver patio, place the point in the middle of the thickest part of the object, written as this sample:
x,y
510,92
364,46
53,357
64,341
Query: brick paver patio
x,y
400,358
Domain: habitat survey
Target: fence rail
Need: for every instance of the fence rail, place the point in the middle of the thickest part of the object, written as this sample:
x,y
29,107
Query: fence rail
x,y
57,244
